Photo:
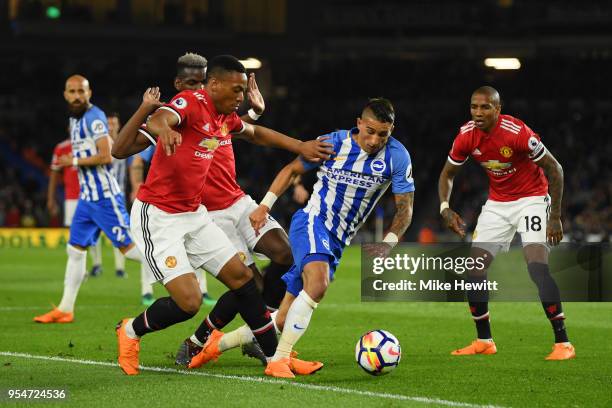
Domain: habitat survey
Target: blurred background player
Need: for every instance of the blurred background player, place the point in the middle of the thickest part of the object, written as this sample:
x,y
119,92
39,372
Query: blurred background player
x,y
119,172
101,204
338,207
70,180
522,174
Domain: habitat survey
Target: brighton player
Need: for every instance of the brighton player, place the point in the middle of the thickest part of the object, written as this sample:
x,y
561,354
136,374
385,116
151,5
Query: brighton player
x,y
173,229
525,191
349,184
118,170
100,206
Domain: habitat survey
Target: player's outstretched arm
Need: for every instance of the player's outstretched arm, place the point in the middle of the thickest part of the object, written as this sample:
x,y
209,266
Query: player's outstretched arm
x,y
554,174
129,140
160,125
402,219
102,157
445,186
281,183
312,150
403,213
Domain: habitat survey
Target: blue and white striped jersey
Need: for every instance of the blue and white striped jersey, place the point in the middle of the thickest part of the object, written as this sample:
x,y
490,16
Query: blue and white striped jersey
x,y
351,182
96,182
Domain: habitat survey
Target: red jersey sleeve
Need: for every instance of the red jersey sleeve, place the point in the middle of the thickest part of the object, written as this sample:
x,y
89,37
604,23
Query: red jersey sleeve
x,y
234,123
54,159
182,105
529,142
461,149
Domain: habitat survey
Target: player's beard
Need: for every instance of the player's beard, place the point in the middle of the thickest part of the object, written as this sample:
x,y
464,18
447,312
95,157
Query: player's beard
x,y
76,109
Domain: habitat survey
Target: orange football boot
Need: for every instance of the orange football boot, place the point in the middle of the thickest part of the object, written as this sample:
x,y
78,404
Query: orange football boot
x,y
128,350
210,351
562,352
303,367
477,347
279,369
55,316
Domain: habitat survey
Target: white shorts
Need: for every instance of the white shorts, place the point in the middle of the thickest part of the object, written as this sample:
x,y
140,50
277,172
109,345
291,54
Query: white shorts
x,y
234,221
499,221
176,244
69,209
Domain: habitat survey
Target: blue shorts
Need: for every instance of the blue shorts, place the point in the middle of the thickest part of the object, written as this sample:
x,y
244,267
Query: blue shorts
x,y
108,215
310,241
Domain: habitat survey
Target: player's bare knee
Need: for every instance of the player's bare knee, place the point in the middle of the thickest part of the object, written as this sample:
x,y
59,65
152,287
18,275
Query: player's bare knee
x,y
191,303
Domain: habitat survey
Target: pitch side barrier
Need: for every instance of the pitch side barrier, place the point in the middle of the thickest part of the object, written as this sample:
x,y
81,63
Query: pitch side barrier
x,y
445,272
15,238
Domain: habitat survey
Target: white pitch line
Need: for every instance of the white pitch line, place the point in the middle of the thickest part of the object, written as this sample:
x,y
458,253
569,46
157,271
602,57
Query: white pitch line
x,y
261,380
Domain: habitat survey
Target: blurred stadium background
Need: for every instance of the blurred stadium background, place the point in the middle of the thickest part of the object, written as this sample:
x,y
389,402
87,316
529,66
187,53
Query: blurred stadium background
x,y
320,60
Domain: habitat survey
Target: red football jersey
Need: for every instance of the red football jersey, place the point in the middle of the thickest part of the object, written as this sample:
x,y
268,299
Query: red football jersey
x,y
70,174
221,189
175,183
508,154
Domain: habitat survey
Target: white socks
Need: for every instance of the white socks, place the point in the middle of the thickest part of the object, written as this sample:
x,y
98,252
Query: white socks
x,y
95,252
129,330
119,260
76,271
296,323
240,336
236,338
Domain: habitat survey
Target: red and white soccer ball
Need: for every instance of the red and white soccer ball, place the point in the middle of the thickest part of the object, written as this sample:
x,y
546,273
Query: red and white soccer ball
x,y
378,352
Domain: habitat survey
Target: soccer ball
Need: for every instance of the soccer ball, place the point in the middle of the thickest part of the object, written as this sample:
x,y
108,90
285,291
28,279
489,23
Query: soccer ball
x,y
378,352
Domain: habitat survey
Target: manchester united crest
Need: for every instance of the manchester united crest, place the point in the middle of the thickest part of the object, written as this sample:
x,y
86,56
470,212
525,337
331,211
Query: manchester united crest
x,y
506,152
224,129
170,262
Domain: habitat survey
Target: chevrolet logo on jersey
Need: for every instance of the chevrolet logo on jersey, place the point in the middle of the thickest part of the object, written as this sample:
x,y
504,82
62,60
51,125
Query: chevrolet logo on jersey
x,y
210,144
495,165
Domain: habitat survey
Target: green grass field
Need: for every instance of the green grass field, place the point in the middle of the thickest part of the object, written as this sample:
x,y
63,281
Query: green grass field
x,y
80,357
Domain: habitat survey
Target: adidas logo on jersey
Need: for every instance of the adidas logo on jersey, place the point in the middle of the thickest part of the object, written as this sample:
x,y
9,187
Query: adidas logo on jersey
x,y
206,127
476,152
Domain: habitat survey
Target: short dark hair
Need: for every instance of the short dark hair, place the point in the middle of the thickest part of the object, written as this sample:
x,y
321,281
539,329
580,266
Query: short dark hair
x,y
113,114
381,108
224,63
190,61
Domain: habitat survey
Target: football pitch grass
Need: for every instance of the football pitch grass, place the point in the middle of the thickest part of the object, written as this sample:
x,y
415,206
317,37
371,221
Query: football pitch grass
x,y
81,357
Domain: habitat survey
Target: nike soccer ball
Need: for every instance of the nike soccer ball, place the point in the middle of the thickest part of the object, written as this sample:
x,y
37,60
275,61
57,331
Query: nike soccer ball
x,y
378,352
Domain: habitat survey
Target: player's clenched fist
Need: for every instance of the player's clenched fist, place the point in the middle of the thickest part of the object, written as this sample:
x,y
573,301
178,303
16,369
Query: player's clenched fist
x,y
170,140
258,218
318,149
453,221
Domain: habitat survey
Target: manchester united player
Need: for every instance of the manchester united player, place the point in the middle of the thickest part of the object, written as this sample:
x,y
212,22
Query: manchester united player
x,y
70,179
173,229
228,204
525,191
